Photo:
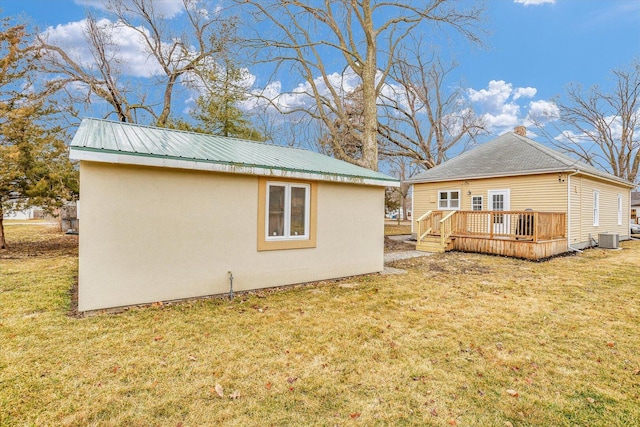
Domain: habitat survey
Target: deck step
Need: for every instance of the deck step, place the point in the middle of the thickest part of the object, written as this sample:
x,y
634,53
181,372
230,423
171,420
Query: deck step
x,y
433,244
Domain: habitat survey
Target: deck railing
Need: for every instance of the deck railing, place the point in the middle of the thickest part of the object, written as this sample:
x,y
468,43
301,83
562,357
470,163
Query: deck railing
x,y
514,225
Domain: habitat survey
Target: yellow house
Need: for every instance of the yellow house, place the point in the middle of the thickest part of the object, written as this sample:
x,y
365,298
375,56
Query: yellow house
x,y
516,197
168,215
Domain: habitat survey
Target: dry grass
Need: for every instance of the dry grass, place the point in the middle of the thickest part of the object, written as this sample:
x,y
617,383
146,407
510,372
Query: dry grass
x,y
448,343
391,227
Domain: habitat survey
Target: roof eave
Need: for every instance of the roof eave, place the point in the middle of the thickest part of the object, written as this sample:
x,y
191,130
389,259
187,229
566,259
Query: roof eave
x,y
92,155
529,172
496,175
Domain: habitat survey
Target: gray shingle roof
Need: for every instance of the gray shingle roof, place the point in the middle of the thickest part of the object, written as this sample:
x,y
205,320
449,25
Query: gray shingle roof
x,y
117,142
507,155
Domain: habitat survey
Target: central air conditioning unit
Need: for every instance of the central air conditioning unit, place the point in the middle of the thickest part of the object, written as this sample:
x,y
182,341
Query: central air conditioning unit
x,y
608,240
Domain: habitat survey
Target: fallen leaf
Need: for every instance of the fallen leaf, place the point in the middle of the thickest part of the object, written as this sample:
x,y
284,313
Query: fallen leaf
x,y
268,386
513,393
292,380
158,338
219,390
192,358
591,400
499,345
508,424
636,372
434,412
235,395
452,422
611,343
355,415
115,369
528,380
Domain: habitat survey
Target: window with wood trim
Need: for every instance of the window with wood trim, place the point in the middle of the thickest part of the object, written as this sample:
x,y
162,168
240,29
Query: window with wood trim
x,y
449,199
476,203
286,214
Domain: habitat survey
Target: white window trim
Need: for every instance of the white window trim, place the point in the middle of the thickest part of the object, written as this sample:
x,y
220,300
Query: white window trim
x,y
481,202
449,208
596,208
620,199
287,211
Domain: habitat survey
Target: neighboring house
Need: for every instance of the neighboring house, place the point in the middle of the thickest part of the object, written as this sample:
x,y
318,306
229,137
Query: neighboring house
x,y
169,215
17,211
553,203
18,214
635,207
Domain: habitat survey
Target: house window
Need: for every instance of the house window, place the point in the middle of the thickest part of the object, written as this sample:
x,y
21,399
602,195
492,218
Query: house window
x,y
286,215
619,209
476,203
449,199
596,208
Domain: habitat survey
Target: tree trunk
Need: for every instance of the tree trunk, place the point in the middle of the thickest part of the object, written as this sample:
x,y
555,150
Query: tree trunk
x,y
3,242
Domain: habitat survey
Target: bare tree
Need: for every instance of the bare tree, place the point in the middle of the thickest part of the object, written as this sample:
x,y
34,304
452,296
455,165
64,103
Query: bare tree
x,y
402,168
174,54
423,117
602,127
359,37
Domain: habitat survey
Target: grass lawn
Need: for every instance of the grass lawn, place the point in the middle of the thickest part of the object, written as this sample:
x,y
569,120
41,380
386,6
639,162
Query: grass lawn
x,y
461,339
392,227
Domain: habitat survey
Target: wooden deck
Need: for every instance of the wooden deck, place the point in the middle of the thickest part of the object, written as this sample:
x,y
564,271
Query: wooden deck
x,y
521,234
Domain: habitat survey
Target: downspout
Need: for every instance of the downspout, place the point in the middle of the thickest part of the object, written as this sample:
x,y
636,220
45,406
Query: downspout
x,y
569,213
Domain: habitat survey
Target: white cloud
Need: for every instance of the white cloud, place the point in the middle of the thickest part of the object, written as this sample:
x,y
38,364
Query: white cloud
x,y
542,112
167,8
534,2
128,50
527,92
498,107
301,96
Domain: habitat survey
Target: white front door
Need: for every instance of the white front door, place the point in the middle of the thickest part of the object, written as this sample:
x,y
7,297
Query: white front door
x,y
499,201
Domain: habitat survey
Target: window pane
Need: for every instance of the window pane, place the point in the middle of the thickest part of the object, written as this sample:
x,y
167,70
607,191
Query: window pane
x,y
443,201
454,201
276,211
476,203
298,210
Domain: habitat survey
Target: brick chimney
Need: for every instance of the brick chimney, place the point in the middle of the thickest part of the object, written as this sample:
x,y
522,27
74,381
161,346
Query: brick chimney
x,y
520,130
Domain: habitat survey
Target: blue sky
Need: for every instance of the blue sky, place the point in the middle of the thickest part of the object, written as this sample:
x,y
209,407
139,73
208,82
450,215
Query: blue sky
x,y
533,50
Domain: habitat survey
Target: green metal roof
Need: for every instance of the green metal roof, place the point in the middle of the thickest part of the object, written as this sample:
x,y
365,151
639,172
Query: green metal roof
x,y
117,142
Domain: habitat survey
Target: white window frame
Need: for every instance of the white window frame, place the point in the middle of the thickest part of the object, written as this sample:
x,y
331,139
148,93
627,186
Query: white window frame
x,y
287,211
596,208
448,193
481,203
620,209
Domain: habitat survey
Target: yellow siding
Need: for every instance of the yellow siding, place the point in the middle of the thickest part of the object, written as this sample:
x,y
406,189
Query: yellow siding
x,y
547,193
582,227
538,192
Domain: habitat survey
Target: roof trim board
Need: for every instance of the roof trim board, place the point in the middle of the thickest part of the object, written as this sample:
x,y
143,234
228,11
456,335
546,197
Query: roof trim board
x,y
124,143
105,156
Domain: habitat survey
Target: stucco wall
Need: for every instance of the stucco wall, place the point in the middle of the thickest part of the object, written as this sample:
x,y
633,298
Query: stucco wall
x,y
155,234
